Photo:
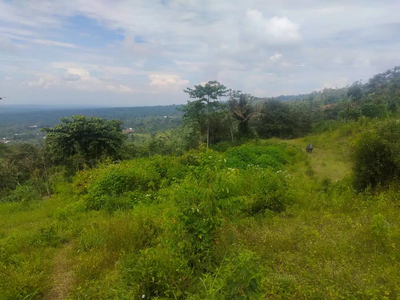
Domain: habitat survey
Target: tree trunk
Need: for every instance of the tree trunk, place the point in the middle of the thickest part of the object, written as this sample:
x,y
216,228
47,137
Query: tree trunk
x,y
208,122
208,133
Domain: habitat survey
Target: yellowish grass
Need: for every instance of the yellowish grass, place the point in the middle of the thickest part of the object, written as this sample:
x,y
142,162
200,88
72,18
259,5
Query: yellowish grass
x,y
62,275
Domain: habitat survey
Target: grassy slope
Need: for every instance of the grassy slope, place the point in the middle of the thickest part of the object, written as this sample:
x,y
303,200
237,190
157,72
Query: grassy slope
x,y
330,157
329,244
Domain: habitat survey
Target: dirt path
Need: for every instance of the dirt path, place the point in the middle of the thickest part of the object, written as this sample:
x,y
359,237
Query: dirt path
x,y
62,275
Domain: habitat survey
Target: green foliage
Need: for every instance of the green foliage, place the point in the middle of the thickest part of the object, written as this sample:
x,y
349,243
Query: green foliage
x,y
24,193
122,185
275,120
355,92
199,220
373,111
205,226
376,155
80,140
246,156
237,278
379,226
18,163
154,273
201,110
263,220
241,108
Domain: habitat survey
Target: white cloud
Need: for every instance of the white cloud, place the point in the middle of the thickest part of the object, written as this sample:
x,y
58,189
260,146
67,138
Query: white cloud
x,y
71,77
53,43
336,83
275,31
118,70
260,93
16,31
275,57
45,81
8,78
119,88
167,82
77,78
266,47
16,35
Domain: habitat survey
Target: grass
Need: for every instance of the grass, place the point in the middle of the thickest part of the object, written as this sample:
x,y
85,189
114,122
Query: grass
x,y
330,243
330,157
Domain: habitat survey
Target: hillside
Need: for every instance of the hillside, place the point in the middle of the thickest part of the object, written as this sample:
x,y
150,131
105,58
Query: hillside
x,y
263,220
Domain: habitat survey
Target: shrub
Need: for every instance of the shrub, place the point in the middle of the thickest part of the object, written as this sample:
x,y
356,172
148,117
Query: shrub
x,y
373,111
24,193
264,156
154,272
198,221
268,191
376,155
116,180
238,277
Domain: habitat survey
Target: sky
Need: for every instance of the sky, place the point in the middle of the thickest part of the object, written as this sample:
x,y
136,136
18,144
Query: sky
x,y
145,52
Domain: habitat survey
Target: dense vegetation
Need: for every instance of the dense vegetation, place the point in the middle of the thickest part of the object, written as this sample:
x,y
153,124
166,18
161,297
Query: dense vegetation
x,y
229,206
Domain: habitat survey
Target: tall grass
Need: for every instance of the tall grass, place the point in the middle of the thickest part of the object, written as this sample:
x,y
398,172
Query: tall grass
x,y
263,220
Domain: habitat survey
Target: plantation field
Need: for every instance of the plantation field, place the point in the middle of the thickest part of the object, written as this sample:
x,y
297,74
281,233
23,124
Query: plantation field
x,y
263,220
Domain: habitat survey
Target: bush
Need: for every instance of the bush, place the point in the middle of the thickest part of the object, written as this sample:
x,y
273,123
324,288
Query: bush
x,y
238,277
373,111
106,184
376,157
198,220
264,156
153,273
24,193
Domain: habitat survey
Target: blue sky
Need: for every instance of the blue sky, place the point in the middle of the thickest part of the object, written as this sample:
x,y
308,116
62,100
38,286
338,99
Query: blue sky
x,y
136,52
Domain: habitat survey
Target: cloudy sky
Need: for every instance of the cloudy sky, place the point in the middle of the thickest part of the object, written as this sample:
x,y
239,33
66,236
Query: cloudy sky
x,y
145,52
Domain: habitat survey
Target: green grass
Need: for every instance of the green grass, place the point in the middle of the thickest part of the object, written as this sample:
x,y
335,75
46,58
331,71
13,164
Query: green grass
x,y
327,243
330,157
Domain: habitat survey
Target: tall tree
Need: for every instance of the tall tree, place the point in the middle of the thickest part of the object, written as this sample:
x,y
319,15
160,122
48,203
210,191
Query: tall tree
x,y
242,110
207,95
275,120
82,140
355,92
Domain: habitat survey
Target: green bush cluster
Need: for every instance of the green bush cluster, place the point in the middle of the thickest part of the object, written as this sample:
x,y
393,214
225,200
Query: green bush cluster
x,y
196,193
376,155
246,156
246,223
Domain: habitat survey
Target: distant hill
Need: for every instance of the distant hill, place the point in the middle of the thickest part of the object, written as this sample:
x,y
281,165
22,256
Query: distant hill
x,y
44,116
23,123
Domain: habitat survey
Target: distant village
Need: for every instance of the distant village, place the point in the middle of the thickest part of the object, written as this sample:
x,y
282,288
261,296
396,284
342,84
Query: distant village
x,y
7,140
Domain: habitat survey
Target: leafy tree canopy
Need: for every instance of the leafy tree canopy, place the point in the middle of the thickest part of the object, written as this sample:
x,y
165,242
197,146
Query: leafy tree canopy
x,y
241,109
86,139
212,90
207,96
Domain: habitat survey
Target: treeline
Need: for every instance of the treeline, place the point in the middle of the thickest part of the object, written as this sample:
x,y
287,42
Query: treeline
x,y
215,117
241,115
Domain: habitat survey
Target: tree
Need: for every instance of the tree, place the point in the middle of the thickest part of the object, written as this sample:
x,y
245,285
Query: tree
x,y
385,88
355,92
80,140
207,99
376,155
195,116
242,110
17,163
275,120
